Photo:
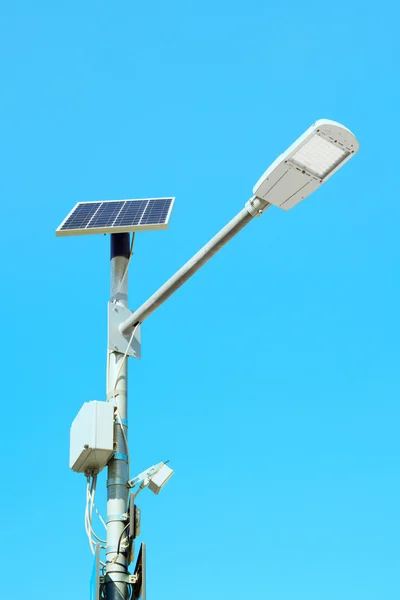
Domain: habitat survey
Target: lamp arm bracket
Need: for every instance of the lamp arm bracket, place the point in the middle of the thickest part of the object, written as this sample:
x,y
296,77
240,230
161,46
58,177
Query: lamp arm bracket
x,y
117,342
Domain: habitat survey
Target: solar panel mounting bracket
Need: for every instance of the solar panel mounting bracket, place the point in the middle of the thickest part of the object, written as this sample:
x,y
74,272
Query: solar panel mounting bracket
x,y
117,342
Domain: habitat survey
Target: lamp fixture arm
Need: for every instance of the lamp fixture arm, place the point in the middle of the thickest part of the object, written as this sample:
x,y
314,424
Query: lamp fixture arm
x,y
254,207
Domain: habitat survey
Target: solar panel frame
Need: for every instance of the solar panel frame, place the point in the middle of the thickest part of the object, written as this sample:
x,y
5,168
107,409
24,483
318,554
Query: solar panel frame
x,y
123,212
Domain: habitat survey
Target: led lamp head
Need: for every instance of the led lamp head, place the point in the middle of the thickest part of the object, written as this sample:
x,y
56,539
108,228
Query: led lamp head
x,y
323,149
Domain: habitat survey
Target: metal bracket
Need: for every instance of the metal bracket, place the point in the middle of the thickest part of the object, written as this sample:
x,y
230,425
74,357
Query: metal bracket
x,y
125,578
145,475
256,206
117,342
116,517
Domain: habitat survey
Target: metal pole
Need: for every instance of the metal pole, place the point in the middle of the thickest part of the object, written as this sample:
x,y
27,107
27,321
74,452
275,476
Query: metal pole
x,y
253,208
118,468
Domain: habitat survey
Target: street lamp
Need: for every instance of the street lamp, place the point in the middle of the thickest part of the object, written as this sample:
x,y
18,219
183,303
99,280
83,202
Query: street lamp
x,y
99,434
323,149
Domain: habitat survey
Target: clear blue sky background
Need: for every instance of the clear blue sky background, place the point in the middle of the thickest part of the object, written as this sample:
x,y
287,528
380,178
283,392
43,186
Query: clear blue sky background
x,y
270,380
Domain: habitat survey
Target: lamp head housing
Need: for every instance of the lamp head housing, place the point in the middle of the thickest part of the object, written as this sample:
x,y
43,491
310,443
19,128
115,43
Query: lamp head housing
x,y
323,149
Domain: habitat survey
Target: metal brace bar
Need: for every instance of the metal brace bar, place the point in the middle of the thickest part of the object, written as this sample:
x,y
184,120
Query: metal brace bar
x,y
127,578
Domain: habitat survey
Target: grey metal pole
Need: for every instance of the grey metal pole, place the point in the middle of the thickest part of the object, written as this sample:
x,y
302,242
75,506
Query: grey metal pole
x,y
118,467
253,208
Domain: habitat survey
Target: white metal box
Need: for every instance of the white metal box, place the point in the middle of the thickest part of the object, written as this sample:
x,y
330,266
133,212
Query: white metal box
x,y
158,480
92,437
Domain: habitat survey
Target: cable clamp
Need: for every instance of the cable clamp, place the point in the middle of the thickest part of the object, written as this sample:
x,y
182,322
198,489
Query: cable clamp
x,y
117,517
120,456
116,481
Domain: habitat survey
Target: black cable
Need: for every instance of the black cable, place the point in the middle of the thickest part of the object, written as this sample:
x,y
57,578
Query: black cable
x,y
120,538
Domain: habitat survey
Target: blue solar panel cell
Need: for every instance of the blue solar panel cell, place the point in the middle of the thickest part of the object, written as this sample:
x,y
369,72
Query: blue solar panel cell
x,y
131,213
81,215
156,211
118,216
106,214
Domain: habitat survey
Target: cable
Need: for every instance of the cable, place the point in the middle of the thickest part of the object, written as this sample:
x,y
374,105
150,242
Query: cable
x,y
94,484
114,395
120,538
124,436
114,560
90,496
87,514
100,517
127,264
123,360
117,292
140,488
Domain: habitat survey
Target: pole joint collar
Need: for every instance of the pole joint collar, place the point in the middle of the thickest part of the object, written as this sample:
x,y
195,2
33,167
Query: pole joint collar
x,y
256,206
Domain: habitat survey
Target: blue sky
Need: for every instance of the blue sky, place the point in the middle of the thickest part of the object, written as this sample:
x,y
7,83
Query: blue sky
x,y
271,379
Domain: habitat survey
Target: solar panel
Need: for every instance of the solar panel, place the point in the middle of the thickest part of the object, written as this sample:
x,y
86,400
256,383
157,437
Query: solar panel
x,y
117,216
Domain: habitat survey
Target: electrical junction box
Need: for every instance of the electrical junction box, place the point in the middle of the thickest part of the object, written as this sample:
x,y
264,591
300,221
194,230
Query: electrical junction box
x,y
92,437
158,480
